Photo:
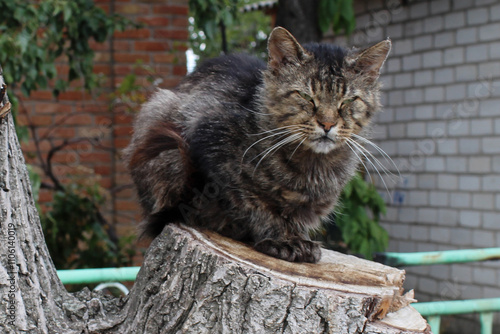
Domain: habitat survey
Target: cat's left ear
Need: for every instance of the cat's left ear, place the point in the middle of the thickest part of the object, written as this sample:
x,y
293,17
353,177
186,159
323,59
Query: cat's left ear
x,y
370,61
284,49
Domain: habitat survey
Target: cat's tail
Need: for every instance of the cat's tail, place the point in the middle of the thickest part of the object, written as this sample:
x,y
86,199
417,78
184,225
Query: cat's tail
x,y
160,165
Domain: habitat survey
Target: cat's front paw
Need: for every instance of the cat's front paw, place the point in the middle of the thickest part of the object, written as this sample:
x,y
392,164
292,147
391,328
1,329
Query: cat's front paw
x,y
293,250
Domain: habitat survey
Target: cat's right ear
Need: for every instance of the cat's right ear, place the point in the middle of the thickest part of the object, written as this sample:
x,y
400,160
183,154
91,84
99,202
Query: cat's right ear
x,y
284,49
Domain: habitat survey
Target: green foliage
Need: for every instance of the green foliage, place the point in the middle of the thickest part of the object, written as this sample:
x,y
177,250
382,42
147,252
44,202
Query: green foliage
x,y
75,230
246,32
338,14
209,15
34,34
358,219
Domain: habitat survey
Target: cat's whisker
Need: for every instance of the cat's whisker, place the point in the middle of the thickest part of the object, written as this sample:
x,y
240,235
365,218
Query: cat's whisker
x,y
293,126
373,158
301,142
381,151
358,146
285,132
277,146
357,155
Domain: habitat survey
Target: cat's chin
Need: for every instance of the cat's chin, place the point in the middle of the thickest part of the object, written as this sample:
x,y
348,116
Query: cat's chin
x,y
322,146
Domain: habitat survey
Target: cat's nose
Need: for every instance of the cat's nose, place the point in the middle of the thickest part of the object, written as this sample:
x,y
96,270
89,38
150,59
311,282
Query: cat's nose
x,y
327,125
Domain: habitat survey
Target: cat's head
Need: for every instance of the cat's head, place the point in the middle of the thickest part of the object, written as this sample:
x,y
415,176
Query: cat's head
x,y
320,93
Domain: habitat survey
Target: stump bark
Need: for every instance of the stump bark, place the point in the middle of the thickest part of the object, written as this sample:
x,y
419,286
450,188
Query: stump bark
x,y
191,282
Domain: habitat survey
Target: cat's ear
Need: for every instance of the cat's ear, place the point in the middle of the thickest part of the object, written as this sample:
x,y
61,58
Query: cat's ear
x,y
370,61
284,49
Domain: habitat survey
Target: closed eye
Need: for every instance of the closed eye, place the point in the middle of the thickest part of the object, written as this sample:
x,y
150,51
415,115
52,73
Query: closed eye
x,y
306,97
349,101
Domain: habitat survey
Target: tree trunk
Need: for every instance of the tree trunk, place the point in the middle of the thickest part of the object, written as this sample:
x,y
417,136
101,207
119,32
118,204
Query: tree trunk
x,y
191,282
300,17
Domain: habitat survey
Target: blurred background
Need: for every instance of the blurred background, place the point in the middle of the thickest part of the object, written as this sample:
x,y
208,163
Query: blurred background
x,y
79,70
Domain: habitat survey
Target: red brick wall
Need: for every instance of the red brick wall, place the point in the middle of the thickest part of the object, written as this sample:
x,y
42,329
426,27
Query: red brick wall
x,y
160,44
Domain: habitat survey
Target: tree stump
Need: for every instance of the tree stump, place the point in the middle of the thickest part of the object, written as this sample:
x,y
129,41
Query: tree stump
x,y
201,282
191,282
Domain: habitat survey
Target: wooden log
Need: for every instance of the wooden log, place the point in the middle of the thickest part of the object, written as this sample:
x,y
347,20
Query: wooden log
x,y
201,282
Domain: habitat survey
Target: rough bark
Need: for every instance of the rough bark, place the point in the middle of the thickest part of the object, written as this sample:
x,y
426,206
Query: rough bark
x,y
191,282
300,17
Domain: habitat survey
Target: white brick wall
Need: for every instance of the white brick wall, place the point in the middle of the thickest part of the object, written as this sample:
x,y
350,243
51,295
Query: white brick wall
x,y
441,125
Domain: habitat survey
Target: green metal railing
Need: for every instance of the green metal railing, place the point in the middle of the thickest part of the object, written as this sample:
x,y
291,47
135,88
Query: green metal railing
x,y
434,310
83,276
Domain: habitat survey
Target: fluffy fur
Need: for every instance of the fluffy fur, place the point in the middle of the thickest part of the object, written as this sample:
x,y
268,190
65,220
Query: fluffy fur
x,y
258,152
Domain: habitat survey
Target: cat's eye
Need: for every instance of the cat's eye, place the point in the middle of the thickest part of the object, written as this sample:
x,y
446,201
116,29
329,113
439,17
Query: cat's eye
x,y
306,97
351,100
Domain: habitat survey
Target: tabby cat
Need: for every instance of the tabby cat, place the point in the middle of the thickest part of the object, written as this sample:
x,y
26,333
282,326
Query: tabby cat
x,y
257,152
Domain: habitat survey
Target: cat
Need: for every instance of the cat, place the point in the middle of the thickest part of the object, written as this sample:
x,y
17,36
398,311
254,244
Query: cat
x,y
257,152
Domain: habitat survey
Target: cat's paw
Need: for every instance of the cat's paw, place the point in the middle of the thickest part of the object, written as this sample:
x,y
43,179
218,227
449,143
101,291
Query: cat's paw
x,y
293,250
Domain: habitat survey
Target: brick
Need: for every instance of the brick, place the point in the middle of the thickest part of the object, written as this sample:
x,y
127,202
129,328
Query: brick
x,y
483,239
396,98
490,107
132,9
433,24
470,219
444,39
491,145
424,112
495,13
403,80
440,6
469,145
491,183
434,94
466,73
432,59
481,127
454,56
455,92
448,182
477,16
133,34
483,201
75,119
476,53
412,62
412,96
438,199
485,276
155,21
448,217
460,200
454,20
489,32
443,75
74,96
490,221
46,108
40,120
428,215
467,35
180,22
151,46
418,10
171,34
479,165
130,57
422,78
416,129
174,10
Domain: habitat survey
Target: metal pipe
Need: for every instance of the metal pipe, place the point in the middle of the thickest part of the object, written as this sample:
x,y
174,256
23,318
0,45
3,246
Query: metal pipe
x,y
444,257
97,275
458,306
